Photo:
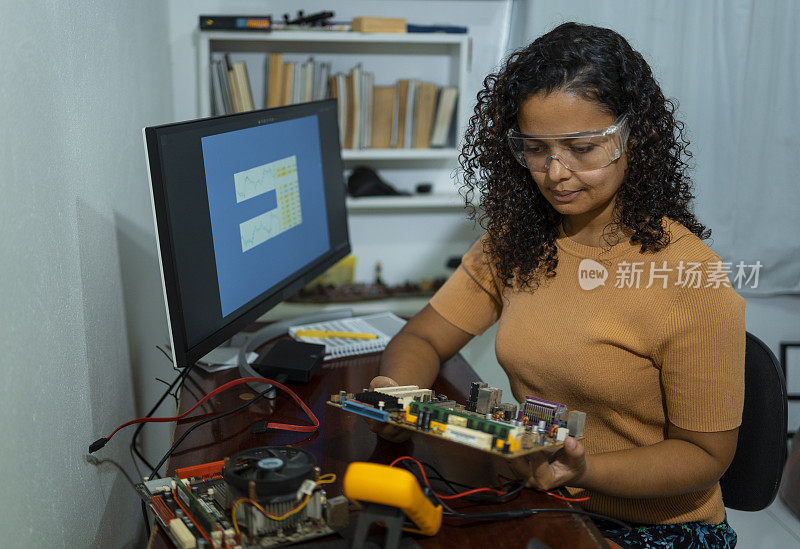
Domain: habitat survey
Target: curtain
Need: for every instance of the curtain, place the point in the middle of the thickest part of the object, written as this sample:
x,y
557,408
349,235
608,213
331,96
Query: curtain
x,y
734,67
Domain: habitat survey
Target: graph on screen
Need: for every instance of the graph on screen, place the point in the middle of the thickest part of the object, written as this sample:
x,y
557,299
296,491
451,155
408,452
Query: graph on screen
x,y
279,176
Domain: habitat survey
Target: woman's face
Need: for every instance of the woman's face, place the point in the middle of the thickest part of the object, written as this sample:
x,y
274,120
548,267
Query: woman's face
x,y
572,193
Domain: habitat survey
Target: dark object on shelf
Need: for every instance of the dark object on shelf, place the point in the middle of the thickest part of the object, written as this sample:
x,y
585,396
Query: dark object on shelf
x,y
453,262
348,293
449,29
236,22
297,359
365,181
424,188
318,19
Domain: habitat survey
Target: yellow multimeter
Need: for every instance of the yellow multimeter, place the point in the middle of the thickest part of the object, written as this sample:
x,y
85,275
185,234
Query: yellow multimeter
x,y
375,483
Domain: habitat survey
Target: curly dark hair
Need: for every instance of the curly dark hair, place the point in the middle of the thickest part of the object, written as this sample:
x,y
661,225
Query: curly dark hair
x,y
599,65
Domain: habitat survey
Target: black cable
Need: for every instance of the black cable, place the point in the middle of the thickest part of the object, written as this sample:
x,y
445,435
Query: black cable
x,y
452,485
169,356
521,513
179,382
519,486
280,379
514,513
134,439
173,394
146,519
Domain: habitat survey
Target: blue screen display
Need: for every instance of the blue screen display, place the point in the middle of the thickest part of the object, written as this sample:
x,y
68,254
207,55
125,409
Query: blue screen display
x,y
267,204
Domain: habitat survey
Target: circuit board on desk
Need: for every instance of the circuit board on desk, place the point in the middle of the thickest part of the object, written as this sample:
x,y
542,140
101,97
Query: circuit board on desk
x,y
482,422
197,509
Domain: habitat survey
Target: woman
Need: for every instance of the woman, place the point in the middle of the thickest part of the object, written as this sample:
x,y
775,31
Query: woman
x,y
607,298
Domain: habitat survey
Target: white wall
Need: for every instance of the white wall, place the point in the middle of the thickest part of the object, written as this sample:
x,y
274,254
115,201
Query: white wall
x,y
80,298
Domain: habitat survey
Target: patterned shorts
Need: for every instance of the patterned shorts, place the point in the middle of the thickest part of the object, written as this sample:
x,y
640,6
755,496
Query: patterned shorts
x,y
694,535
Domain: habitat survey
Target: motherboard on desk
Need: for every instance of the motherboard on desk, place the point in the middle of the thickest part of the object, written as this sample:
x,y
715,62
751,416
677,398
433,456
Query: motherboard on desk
x,y
482,422
260,498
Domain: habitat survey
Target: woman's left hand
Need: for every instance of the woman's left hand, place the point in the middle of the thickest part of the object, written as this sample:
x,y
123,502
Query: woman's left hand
x,y
546,470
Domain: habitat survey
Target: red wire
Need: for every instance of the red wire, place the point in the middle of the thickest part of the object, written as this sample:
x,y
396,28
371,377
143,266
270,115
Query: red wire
x,y
440,496
551,494
225,387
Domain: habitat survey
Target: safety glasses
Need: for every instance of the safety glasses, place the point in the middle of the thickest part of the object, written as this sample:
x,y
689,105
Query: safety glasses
x,y
580,151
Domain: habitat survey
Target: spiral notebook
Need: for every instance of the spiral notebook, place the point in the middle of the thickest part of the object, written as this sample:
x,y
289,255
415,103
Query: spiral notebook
x,y
383,325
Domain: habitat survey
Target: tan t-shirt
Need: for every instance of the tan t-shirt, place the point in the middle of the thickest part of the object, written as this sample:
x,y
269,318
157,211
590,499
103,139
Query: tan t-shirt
x,y
631,339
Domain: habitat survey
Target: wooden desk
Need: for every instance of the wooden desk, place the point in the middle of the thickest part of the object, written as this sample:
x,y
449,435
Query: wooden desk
x,y
344,437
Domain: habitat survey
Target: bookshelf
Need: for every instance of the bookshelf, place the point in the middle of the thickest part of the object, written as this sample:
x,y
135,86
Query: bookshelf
x,y
443,59
423,229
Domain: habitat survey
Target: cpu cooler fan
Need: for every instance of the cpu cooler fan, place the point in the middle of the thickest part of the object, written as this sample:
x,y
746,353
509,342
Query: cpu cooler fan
x,y
276,473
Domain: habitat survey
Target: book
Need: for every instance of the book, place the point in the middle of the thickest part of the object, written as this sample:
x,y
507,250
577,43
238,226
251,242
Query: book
x,y
219,84
395,113
444,116
227,68
367,83
216,92
274,87
384,325
222,76
243,85
382,116
235,22
379,24
411,101
424,108
297,87
235,97
288,82
347,142
322,72
398,134
341,97
351,135
308,81
449,29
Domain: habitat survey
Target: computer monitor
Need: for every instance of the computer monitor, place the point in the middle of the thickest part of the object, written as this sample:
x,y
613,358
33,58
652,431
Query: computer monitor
x,y
247,208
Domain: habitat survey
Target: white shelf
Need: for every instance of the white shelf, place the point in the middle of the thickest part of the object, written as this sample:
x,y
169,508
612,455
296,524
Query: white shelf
x,y
399,154
433,201
336,36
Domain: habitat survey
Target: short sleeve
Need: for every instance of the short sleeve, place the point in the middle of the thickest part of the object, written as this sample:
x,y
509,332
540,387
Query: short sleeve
x,y
470,299
701,356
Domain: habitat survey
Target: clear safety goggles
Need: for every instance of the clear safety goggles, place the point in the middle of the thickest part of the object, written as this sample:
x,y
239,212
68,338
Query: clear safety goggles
x,y
579,151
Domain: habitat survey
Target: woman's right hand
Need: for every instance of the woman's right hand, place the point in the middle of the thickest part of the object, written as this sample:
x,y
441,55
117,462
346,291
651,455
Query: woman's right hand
x,y
392,433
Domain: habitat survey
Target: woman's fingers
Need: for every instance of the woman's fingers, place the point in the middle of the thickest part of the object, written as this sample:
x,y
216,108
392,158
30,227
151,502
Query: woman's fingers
x,y
392,433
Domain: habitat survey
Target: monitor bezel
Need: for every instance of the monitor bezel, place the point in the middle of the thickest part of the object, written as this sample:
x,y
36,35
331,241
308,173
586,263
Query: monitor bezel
x,y
182,354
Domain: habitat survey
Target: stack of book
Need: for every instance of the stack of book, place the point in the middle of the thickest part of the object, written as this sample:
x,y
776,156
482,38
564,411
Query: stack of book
x,y
231,86
289,83
411,114
285,83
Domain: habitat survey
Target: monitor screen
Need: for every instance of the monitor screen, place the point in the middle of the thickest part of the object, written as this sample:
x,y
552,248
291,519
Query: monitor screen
x,y
248,208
